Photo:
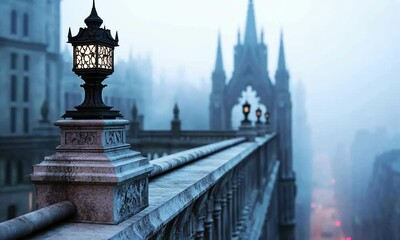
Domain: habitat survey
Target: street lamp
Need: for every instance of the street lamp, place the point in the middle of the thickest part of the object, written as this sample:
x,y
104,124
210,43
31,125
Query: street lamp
x,y
93,59
267,116
258,115
246,107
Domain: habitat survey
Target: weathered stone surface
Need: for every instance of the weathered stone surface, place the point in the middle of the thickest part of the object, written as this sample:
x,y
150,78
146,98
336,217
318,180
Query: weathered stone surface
x,y
164,164
95,169
35,221
169,195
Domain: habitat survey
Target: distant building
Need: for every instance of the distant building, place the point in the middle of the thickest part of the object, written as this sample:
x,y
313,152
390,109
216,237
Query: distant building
x,y
302,152
30,69
354,176
383,199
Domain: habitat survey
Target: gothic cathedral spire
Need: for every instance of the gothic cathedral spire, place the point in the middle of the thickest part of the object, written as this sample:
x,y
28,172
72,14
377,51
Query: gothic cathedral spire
x,y
282,74
219,65
251,32
281,58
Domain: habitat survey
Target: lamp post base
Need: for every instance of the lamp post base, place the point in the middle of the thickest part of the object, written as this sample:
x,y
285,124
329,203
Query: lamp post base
x,y
247,130
95,169
92,114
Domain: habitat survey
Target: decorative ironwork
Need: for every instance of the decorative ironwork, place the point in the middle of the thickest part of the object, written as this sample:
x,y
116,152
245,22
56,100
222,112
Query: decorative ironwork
x,y
93,62
105,57
85,57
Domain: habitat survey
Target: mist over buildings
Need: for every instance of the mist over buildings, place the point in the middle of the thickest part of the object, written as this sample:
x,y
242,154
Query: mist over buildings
x,y
343,58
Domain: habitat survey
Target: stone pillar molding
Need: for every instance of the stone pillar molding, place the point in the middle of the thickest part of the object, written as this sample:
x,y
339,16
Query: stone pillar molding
x,y
248,131
208,221
217,210
95,169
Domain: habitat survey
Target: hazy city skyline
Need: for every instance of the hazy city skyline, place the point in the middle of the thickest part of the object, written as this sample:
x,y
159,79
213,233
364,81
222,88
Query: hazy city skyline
x,y
344,52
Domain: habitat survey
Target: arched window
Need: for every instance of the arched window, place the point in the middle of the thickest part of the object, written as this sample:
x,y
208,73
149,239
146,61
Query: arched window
x,y
26,25
11,212
13,22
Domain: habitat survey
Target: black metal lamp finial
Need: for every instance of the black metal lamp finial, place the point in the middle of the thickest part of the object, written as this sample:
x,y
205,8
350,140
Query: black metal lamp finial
x,y
93,21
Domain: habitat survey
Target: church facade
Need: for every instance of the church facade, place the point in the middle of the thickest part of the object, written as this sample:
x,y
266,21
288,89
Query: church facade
x,y
251,69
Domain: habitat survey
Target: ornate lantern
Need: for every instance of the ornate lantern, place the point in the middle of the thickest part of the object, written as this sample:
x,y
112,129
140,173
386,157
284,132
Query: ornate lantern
x,y
267,116
258,114
93,59
246,107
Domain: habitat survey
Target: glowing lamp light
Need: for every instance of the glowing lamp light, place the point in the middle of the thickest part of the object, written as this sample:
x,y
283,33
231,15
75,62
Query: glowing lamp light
x,y
258,114
348,238
246,107
93,61
338,224
267,116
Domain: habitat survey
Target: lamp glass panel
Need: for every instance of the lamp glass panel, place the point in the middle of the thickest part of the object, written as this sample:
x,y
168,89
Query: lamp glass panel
x,y
85,56
105,57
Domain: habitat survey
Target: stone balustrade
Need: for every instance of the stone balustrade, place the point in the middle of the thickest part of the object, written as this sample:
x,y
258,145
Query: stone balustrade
x,y
227,192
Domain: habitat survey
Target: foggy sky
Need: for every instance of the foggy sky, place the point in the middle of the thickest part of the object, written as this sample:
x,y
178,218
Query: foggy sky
x,y
347,53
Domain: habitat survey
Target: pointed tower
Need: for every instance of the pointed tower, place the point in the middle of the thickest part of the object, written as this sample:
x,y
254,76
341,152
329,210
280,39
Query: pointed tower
x,y
250,37
287,186
176,122
218,88
282,74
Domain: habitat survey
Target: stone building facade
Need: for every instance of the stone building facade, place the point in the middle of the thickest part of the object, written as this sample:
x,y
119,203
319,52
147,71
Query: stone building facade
x,y
383,201
30,69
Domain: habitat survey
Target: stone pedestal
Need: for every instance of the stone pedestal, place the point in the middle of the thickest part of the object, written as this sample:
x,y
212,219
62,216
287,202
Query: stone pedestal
x,y
96,170
248,131
261,129
268,128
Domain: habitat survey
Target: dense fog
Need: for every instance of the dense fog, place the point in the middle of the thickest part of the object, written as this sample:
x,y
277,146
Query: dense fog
x,y
343,58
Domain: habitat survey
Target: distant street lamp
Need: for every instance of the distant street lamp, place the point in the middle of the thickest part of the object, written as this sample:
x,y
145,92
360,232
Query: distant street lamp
x,y
267,116
246,107
258,115
93,57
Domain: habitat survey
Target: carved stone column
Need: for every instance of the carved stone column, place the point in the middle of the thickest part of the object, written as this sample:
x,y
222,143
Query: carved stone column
x,y
224,213
96,170
217,210
234,205
229,221
200,227
208,222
